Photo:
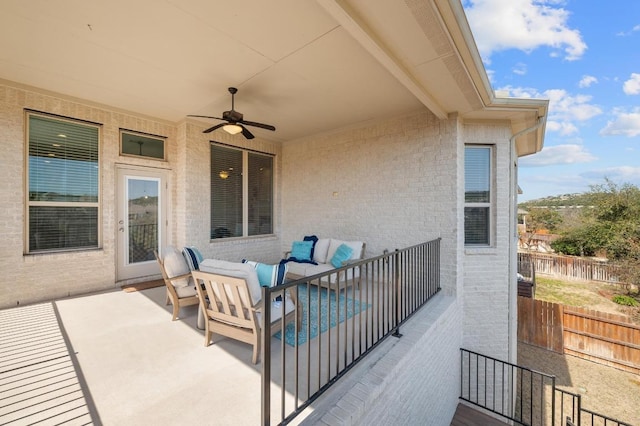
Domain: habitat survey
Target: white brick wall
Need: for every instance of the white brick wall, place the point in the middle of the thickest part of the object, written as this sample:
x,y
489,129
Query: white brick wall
x,y
391,183
412,380
486,270
32,278
40,277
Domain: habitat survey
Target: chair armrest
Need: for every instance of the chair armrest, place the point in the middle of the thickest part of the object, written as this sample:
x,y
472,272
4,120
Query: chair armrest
x,y
181,276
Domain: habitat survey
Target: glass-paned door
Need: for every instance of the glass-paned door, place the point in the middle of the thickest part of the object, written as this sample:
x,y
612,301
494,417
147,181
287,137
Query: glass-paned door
x,y
141,221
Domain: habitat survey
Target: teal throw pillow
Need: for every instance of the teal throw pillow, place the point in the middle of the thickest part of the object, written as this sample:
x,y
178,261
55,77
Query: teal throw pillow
x,y
269,275
342,254
301,250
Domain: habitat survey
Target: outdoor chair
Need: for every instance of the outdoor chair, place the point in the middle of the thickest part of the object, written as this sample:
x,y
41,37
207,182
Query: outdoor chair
x,y
232,309
181,289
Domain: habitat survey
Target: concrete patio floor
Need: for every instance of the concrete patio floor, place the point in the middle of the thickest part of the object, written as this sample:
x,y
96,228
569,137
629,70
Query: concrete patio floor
x,y
133,365
116,358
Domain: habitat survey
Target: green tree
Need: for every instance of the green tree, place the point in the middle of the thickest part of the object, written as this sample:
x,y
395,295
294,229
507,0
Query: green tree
x,y
610,225
541,219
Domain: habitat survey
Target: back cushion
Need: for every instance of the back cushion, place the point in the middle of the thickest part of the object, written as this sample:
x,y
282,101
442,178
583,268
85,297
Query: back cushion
x,y
236,270
321,250
174,265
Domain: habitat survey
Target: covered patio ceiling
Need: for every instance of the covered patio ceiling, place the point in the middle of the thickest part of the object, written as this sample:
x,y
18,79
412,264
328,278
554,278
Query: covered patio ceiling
x,y
304,66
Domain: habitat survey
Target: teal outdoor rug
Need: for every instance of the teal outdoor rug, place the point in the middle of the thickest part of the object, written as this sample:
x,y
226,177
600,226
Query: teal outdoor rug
x,y
310,301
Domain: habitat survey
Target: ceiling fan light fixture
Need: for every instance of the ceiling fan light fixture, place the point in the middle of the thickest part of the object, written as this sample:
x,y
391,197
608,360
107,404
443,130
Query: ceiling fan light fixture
x,y
232,129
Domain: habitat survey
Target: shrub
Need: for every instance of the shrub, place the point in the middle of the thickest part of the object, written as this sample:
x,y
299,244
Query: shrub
x,y
623,299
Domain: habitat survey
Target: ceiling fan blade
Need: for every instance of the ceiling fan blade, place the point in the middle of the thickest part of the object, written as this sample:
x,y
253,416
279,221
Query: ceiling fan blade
x,y
261,125
205,116
211,129
246,133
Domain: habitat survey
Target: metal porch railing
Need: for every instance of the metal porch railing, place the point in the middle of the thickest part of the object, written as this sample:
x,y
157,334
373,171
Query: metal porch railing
x,y
523,395
345,313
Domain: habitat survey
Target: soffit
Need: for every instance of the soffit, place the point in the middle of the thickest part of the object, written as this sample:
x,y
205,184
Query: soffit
x,y
305,67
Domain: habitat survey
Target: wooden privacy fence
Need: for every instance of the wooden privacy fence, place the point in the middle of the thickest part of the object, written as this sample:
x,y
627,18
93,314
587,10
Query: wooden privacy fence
x,y
607,339
572,267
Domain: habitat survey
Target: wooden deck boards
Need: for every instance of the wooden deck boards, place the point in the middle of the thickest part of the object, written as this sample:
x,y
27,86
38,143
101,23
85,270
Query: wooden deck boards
x,y
468,416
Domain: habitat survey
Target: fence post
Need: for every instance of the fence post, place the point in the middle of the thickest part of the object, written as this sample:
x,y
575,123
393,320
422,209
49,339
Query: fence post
x,y
266,357
396,289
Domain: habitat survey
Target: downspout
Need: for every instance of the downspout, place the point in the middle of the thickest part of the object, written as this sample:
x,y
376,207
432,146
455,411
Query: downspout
x,y
513,250
541,121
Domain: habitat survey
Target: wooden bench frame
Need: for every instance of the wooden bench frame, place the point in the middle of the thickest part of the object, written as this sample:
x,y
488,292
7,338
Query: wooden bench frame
x,y
228,311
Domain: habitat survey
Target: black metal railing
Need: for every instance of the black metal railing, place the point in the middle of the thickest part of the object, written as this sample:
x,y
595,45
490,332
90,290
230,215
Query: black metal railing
x,y
516,393
570,408
523,395
143,239
344,314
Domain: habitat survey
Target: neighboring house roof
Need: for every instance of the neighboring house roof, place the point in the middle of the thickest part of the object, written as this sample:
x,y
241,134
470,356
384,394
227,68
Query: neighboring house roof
x,y
305,67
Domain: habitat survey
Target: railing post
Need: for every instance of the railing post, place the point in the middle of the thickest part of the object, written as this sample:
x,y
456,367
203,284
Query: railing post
x,y
553,401
396,288
265,357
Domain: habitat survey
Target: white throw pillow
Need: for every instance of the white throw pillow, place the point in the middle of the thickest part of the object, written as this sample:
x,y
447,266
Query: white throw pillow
x,y
321,249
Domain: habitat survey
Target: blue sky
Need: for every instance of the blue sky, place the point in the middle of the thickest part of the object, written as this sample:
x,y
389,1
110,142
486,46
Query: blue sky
x,y
582,55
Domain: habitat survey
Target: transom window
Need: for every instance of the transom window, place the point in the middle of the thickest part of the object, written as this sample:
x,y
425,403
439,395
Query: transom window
x,y
141,145
241,192
63,184
477,195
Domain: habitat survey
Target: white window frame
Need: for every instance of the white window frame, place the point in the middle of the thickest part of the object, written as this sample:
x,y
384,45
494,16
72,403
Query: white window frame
x,y
37,203
487,204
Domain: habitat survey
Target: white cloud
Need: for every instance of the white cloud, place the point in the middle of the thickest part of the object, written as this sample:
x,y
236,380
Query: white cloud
x,y
632,86
564,128
523,24
564,109
559,154
520,69
628,33
624,123
620,174
563,106
587,81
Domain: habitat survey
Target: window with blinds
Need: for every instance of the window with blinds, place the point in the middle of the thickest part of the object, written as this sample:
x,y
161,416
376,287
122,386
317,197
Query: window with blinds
x,y
477,195
63,184
241,192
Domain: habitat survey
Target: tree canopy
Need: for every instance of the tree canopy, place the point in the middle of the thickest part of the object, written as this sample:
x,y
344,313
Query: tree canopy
x,y
611,225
